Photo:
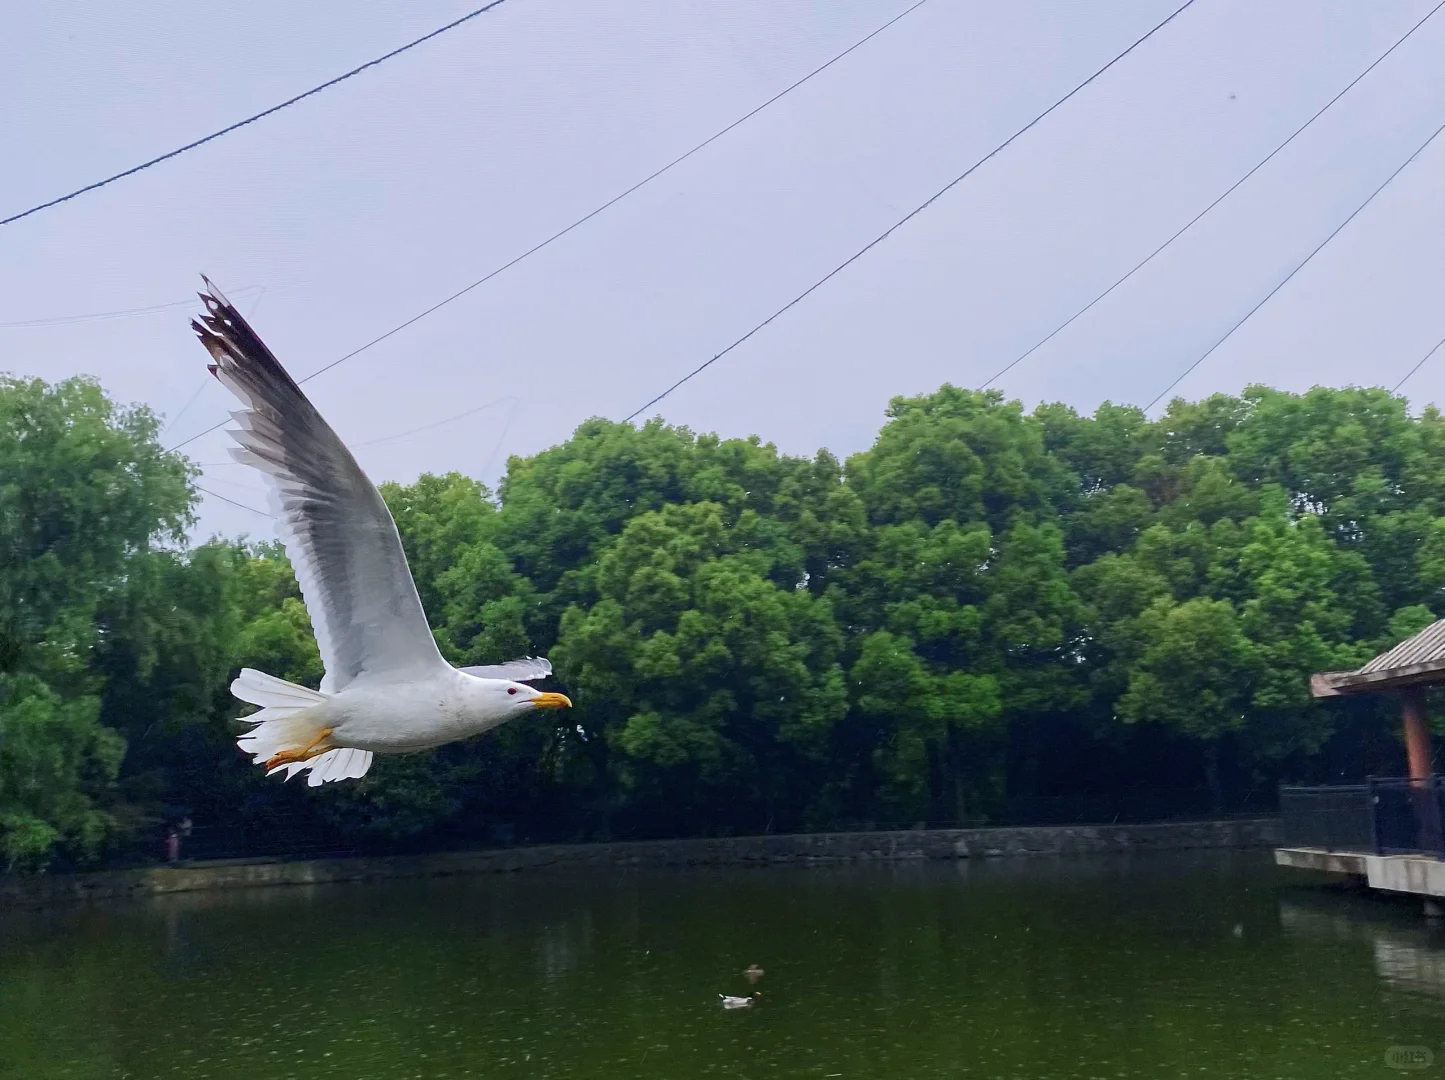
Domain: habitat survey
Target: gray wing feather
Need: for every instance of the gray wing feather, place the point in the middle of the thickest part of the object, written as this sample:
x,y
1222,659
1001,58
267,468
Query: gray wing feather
x,y
527,669
337,531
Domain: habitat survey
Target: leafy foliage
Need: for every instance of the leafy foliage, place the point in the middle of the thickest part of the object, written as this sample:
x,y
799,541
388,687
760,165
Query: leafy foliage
x,y
86,497
986,606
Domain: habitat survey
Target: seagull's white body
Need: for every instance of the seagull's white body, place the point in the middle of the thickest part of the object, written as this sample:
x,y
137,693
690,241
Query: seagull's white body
x,y
387,688
731,1002
392,717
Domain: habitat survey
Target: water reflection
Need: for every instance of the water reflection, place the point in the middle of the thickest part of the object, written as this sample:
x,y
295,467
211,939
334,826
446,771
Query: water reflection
x,y
1408,951
1036,969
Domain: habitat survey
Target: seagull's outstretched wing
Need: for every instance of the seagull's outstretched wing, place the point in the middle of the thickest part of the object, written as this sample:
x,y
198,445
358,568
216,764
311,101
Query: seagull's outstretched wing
x,y
527,669
338,533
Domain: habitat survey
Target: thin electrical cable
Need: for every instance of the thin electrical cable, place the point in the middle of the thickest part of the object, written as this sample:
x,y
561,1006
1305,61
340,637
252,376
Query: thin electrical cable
x,y
438,423
1287,278
98,316
389,438
604,206
191,401
400,434
502,438
233,502
1438,345
1195,219
906,218
205,382
252,119
249,489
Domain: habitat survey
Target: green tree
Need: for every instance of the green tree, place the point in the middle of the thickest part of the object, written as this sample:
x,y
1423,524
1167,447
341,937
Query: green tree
x,y
1195,673
985,606
86,497
708,682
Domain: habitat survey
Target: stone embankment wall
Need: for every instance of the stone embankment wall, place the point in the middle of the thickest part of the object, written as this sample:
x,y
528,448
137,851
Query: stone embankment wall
x,y
806,848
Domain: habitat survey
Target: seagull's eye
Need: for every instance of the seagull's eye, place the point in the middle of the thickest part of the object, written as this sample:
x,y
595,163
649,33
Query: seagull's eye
x,y
511,689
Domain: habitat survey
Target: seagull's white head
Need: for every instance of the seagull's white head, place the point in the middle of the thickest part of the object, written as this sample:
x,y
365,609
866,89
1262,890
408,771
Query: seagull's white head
x,y
505,699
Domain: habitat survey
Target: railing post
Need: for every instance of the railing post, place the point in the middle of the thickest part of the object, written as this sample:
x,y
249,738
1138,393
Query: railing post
x,y
1435,789
1371,801
1425,806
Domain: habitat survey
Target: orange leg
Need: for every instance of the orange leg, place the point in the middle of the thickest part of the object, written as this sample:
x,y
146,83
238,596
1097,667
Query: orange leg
x,y
289,757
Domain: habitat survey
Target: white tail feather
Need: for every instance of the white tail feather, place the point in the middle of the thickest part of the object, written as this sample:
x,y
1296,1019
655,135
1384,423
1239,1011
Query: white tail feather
x,y
258,688
284,723
340,764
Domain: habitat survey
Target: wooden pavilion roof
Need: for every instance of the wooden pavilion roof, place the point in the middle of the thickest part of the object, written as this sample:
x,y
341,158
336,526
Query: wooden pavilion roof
x,y
1416,661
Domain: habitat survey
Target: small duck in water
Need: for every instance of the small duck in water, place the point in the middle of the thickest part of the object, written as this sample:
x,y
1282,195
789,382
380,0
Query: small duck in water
x,y
730,1002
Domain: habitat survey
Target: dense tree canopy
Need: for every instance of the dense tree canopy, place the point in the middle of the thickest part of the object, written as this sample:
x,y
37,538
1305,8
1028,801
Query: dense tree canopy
x,y
988,606
85,496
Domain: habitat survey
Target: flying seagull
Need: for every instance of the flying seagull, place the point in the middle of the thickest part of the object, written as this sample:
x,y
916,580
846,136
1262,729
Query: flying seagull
x,y
387,689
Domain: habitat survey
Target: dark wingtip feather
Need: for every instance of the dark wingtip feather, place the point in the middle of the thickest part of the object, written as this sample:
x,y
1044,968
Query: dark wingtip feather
x,y
214,292
227,335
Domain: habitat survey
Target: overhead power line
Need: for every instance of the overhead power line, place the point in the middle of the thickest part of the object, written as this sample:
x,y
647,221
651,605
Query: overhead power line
x,y
1408,375
233,502
98,316
1300,266
252,119
486,467
201,388
184,408
409,432
906,218
593,213
1195,219
442,422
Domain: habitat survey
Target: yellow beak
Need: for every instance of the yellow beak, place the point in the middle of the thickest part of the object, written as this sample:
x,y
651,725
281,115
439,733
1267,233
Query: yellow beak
x,y
552,701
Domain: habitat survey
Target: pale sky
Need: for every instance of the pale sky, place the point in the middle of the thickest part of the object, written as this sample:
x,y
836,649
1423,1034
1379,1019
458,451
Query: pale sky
x,y
357,208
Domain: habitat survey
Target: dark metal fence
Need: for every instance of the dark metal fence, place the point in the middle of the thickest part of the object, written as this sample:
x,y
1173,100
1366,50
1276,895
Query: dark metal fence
x,y
1383,816
1335,818
1408,815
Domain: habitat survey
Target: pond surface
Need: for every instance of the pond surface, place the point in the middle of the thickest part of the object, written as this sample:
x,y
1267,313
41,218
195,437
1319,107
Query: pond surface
x,y
1158,966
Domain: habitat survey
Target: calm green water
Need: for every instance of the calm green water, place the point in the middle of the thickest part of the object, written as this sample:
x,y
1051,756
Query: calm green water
x,y
1116,967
